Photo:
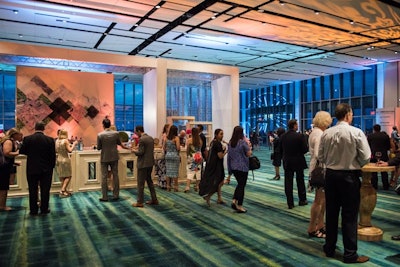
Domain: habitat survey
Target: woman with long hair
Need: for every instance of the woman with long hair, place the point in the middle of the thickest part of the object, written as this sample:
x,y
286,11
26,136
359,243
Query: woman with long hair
x,y
238,164
172,159
214,174
63,163
277,158
316,228
10,152
194,159
160,168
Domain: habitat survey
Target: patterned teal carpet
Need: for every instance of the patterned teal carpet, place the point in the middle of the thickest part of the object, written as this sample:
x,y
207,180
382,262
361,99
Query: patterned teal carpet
x,y
183,230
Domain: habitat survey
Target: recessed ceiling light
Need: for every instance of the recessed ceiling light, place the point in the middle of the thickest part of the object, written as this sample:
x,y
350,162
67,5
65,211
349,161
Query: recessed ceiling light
x,y
316,12
351,22
15,11
158,6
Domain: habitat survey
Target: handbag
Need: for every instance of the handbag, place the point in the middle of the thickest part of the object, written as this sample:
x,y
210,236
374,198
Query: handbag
x,y
254,163
317,176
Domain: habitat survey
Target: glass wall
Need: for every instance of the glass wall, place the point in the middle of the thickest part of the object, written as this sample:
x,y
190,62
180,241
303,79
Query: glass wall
x,y
189,98
7,100
358,88
266,109
128,105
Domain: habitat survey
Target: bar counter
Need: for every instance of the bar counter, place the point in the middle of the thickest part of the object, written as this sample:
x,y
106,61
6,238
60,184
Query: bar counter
x,y
86,172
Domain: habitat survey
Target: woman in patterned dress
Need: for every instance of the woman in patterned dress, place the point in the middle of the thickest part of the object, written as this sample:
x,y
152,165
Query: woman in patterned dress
x,y
160,163
63,164
172,159
193,149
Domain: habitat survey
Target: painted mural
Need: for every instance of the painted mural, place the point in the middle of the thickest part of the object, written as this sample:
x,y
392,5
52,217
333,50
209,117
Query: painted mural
x,y
76,101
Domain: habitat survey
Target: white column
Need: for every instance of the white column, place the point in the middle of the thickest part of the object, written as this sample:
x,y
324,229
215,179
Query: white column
x,y
154,99
225,104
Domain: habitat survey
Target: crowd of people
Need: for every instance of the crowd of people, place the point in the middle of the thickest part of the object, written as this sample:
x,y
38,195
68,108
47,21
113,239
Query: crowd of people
x,y
342,150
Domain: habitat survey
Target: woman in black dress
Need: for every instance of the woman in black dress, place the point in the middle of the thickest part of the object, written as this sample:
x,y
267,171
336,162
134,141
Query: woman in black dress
x,y
214,172
277,158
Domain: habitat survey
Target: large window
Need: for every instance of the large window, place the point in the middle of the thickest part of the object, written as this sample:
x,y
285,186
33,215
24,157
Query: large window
x,y
128,105
7,100
189,97
267,109
358,88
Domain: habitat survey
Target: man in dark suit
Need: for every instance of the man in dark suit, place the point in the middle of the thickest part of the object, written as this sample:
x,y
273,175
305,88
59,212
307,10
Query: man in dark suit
x,y
293,147
41,158
108,141
379,142
145,162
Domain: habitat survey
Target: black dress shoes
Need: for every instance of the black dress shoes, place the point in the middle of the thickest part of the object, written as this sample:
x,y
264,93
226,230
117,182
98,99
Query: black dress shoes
x,y
396,237
45,212
303,203
359,259
103,200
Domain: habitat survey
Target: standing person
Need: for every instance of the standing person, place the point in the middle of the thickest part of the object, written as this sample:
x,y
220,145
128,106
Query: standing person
x,y
172,157
395,135
107,142
41,158
63,163
293,147
160,163
238,163
10,151
379,143
277,154
344,150
316,227
214,173
17,141
145,153
194,159
203,140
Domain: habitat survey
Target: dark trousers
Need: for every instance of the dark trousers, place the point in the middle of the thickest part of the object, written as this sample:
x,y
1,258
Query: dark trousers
x,y
241,178
104,178
385,180
144,175
301,188
44,181
342,194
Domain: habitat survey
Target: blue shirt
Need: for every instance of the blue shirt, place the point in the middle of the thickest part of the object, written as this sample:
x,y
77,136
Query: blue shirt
x,y
237,157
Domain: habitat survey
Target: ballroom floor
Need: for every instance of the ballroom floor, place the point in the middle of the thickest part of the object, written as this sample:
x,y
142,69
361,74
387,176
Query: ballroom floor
x,y
183,230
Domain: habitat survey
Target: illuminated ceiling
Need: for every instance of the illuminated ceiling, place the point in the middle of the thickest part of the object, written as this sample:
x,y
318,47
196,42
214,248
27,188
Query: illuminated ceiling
x,y
272,42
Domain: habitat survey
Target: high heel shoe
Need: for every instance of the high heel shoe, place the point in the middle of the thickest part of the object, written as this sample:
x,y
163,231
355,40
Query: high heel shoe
x,y
277,177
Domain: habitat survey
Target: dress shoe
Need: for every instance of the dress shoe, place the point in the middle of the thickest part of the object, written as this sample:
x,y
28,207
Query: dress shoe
x,y
360,259
45,212
233,205
290,206
33,214
396,237
103,200
137,205
151,202
115,198
303,203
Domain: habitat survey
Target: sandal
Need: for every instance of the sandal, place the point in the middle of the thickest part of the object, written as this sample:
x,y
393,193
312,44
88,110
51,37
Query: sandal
x,y
220,201
322,230
316,234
